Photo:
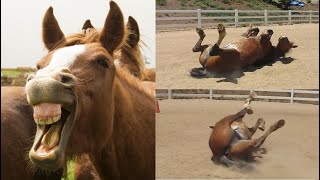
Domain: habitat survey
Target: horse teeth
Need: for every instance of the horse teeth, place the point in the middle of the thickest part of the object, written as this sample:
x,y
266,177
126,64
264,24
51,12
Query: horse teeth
x,y
47,121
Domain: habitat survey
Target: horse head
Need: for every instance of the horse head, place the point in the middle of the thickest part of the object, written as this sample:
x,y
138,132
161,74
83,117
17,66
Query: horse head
x,y
284,45
72,88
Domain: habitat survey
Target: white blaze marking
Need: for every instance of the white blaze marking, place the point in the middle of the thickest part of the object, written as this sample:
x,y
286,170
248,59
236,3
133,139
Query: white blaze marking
x,y
63,58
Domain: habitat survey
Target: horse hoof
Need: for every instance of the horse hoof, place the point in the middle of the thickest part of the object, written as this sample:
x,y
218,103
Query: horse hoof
x,y
281,123
249,110
200,32
277,125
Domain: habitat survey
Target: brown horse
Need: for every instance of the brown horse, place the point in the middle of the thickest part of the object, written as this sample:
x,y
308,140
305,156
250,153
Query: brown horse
x,y
17,132
231,140
250,51
129,57
83,104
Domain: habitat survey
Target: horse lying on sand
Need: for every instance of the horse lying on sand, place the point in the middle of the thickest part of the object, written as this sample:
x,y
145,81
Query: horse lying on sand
x,y
252,50
231,140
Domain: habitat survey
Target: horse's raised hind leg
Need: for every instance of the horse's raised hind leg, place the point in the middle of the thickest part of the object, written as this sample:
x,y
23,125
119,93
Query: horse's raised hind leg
x,y
198,47
259,125
243,148
251,32
222,33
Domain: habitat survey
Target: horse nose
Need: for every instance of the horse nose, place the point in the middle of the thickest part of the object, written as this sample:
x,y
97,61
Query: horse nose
x,y
65,77
31,76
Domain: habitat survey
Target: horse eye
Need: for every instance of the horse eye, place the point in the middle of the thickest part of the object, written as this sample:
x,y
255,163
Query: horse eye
x,y
102,62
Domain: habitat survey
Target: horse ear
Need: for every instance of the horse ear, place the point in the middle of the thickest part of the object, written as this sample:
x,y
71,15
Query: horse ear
x,y
87,25
113,32
51,32
134,33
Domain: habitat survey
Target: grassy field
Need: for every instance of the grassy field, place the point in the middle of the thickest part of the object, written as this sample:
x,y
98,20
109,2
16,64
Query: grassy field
x,y
16,71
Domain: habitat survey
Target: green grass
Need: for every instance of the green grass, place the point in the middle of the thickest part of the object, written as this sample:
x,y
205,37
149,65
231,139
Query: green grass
x,y
70,172
10,72
14,72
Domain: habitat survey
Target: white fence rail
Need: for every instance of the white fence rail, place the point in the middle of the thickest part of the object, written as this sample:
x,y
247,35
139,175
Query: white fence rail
x,y
202,18
283,95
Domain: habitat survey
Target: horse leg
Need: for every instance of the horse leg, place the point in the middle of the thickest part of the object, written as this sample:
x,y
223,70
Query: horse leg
x,y
228,162
244,148
222,33
198,47
259,124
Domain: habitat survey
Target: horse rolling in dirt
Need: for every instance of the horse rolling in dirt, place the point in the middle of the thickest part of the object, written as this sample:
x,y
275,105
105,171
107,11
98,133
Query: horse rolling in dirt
x,y
250,51
83,104
231,140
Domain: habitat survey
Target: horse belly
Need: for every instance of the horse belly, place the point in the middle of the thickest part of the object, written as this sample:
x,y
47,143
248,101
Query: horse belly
x,y
204,56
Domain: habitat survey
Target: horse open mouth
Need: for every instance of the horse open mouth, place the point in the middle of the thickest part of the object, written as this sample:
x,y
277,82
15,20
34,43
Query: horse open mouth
x,y
54,124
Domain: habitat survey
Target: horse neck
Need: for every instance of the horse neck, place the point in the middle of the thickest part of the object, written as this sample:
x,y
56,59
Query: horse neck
x,y
133,108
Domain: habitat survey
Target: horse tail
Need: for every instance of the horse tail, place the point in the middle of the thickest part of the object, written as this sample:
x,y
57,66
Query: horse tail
x,y
198,73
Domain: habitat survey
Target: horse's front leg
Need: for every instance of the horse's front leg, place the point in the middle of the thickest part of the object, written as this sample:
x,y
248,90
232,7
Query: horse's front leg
x,y
198,47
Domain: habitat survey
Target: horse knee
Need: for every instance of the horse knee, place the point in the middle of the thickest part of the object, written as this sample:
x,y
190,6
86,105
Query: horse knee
x,y
195,49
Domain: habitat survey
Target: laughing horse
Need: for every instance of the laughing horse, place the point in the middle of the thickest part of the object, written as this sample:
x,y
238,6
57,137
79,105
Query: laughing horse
x,y
74,85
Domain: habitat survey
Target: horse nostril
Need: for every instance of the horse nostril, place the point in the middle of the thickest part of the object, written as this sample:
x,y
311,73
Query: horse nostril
x,y
67,78
31,76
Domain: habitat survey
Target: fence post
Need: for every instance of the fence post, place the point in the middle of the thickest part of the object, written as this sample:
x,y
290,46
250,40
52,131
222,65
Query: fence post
x,y
289,17
236,17
199,18
292,96
210,93
310,18
169,93
266,17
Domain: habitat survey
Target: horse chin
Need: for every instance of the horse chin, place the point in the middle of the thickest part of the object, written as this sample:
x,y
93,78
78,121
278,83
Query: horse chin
x,y
49,147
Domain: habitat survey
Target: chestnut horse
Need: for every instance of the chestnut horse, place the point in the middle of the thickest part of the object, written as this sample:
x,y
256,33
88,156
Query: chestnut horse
x,y
83,104
17,131
250,51
231,140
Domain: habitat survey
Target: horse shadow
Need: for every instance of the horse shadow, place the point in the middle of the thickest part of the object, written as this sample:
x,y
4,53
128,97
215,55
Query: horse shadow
x,y
233,76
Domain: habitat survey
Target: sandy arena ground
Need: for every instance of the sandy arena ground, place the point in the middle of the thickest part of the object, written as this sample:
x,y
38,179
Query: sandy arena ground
x,y
182,133
175,59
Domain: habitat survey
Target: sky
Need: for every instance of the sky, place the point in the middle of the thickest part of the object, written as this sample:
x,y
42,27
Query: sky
x,y
21,21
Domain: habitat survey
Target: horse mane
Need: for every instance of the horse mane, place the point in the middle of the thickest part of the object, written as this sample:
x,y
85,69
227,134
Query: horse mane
x,y
134,53
92,36
134,82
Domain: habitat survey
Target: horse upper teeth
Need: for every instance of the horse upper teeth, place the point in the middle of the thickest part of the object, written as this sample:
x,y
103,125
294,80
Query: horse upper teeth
x,y
49,120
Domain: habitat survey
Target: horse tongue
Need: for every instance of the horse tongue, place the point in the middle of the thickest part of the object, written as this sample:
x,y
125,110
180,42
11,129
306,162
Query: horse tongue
x,y
45,110
52,136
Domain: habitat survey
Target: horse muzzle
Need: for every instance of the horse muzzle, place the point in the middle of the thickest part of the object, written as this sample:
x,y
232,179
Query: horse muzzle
x,y
55,106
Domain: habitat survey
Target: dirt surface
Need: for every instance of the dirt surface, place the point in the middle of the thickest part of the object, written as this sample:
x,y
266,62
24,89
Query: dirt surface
x,y
182,133
175,59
